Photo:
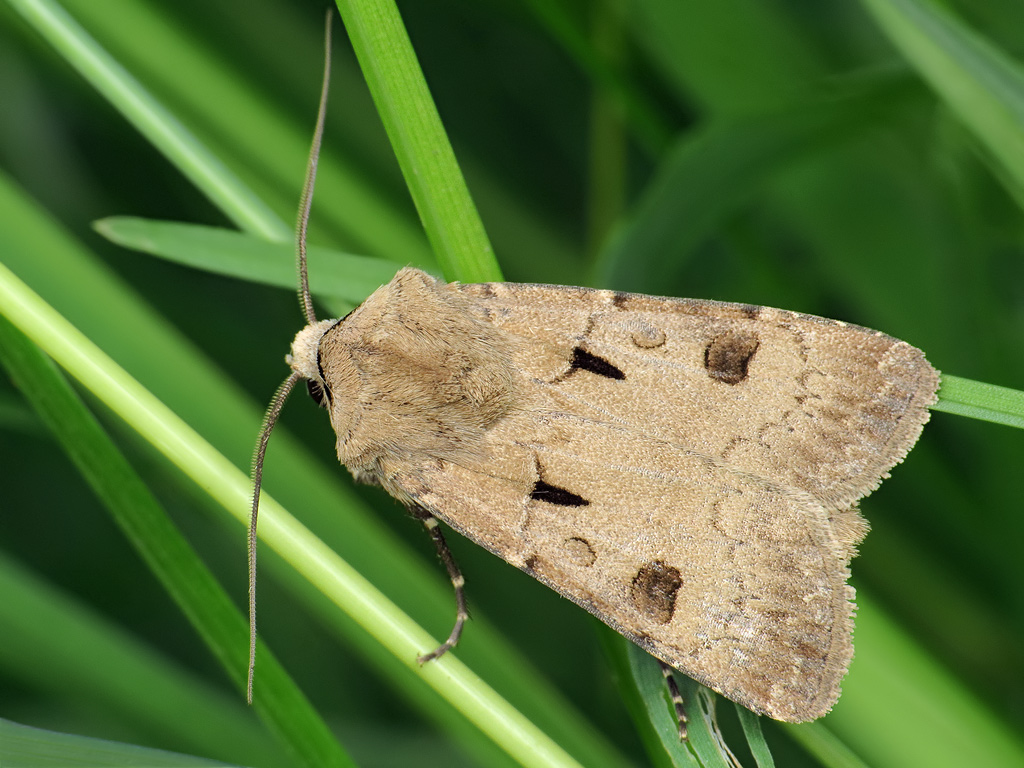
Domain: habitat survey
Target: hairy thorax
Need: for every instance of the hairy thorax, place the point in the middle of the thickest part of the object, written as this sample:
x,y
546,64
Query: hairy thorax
x,y
415,371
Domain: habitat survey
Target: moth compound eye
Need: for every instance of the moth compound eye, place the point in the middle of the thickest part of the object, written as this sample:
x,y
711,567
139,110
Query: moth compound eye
x,y
318,392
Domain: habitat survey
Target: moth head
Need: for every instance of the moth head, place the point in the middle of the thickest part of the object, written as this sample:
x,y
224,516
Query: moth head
x,y
304,358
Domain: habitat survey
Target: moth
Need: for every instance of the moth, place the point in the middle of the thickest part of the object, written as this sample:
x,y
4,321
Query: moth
x,y
687,471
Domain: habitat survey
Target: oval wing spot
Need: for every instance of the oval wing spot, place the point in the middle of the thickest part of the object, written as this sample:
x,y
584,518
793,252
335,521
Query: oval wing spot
x,y
585,361
727,357
654,590
647,336
552,494
579,551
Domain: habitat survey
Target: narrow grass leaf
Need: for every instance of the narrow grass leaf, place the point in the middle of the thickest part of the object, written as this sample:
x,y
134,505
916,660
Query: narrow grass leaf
x,y
332,274
424,153
978,400
701,750
27,747
751,724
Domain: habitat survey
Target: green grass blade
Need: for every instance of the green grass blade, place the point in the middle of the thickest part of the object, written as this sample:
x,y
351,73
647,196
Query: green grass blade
x,y
701,750
160,543
616,651
164,130
25,747
751,724
983,86
978,400
424,153
332,275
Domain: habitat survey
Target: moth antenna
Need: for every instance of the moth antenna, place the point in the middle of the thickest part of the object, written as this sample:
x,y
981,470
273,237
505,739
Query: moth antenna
x,y
269,420
306,201
306,301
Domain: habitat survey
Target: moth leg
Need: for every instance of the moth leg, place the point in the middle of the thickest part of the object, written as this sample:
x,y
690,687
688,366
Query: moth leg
x,y
458,582
676,696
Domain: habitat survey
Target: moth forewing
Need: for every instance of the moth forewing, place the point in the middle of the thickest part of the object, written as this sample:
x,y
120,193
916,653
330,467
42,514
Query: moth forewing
x,y
687,471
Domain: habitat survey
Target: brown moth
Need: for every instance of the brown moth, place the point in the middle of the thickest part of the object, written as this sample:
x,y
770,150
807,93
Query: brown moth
x,y
687,471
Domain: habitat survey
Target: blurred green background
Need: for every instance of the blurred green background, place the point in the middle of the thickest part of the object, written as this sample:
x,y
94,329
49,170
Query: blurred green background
x,y
779,153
